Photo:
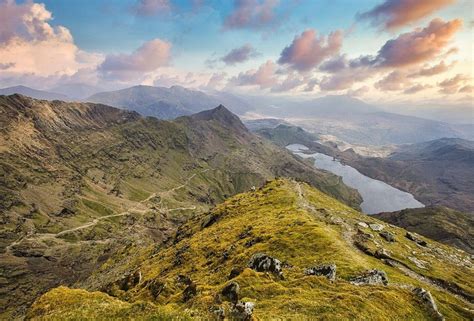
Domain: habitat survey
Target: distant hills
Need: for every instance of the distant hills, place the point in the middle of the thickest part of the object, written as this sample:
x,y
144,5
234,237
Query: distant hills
x,y
167,103
33,93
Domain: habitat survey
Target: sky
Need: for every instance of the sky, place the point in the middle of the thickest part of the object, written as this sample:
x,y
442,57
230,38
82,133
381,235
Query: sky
x,y
413,51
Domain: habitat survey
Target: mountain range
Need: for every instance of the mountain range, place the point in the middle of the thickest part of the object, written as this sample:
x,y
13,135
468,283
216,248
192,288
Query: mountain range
x,y
82,182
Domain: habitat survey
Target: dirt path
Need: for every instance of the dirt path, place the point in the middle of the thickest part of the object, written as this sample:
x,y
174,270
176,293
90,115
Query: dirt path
x,y
136,209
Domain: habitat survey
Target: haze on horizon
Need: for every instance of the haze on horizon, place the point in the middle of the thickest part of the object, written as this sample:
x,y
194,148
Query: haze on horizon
x,y
389,52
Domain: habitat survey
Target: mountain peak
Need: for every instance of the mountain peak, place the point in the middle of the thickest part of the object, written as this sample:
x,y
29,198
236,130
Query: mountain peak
x,y
222,115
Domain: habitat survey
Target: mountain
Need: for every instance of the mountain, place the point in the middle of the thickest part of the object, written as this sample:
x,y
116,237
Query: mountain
x,y
166,103
436,222
357,122
76,91
283,251
81,183
33,93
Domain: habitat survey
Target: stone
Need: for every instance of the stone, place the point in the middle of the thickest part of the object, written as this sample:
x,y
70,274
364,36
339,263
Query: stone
x,y
363,225
242,311
419,263
427,299
327,270
382,253
235,272
219,312
261,262
389,237
415,239
376,227
371,277
231,292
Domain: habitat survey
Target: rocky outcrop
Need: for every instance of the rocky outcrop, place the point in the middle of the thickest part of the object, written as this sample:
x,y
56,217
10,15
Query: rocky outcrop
x,y
389,237
327,270
231,292
242,311
427,300
414,238
371,277
261,262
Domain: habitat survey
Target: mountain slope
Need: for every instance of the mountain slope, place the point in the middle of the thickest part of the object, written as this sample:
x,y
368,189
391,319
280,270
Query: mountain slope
x,y
212,267
166,103
438,223
33,93
79,182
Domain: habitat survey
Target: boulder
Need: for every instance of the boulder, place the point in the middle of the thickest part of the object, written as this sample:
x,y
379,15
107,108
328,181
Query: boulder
x,y
235,272
389,237
427,299
363,225
327,270
231,292
376,227
189,292
371,277
261,262
242,311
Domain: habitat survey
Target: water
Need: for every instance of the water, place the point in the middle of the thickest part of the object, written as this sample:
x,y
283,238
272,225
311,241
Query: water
x,y
377,195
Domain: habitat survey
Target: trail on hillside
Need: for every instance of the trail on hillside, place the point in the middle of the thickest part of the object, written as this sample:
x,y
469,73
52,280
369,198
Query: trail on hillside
x,y
138,209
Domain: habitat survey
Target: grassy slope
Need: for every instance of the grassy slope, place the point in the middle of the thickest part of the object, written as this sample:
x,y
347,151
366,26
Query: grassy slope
x,y
438,223
302,227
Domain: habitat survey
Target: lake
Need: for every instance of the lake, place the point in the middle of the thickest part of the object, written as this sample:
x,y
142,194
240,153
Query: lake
x,y
377,195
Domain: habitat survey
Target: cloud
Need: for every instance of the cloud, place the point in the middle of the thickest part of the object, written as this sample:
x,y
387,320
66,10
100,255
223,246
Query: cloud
x,y
251,14
431,71
264,76
308,51
392,14
394,81
291,82
335,64
451,85
359,91
419,45
151,7
149,57
345,78
239,55
416,88
29,45
468,89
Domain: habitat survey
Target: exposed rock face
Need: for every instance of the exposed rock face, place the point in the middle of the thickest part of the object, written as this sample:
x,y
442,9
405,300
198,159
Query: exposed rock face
x,y
389,237
371,277
415,239
261,262
231,292
327,270
427,300
242,311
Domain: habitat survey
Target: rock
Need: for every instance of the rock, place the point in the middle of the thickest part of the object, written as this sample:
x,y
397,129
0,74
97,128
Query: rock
x,y
231,292
371,277
261,262
184,279
415,239
419,263
242,311
389,237
376,227
219,312
189,292
382,253
428,301
327,270
363,225
235,272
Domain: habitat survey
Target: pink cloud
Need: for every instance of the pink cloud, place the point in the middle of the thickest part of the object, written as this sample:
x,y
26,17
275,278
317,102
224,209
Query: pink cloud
x,y
264,76
149,57
239,55
433,70
416,88
308,51
394,81
452,85
252,14
419,45
393,14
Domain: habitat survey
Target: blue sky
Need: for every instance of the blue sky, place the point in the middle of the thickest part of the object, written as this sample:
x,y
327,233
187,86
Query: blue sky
x,y
111,42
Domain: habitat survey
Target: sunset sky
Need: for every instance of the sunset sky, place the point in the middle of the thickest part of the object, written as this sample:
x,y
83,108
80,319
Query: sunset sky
x,y
379,50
